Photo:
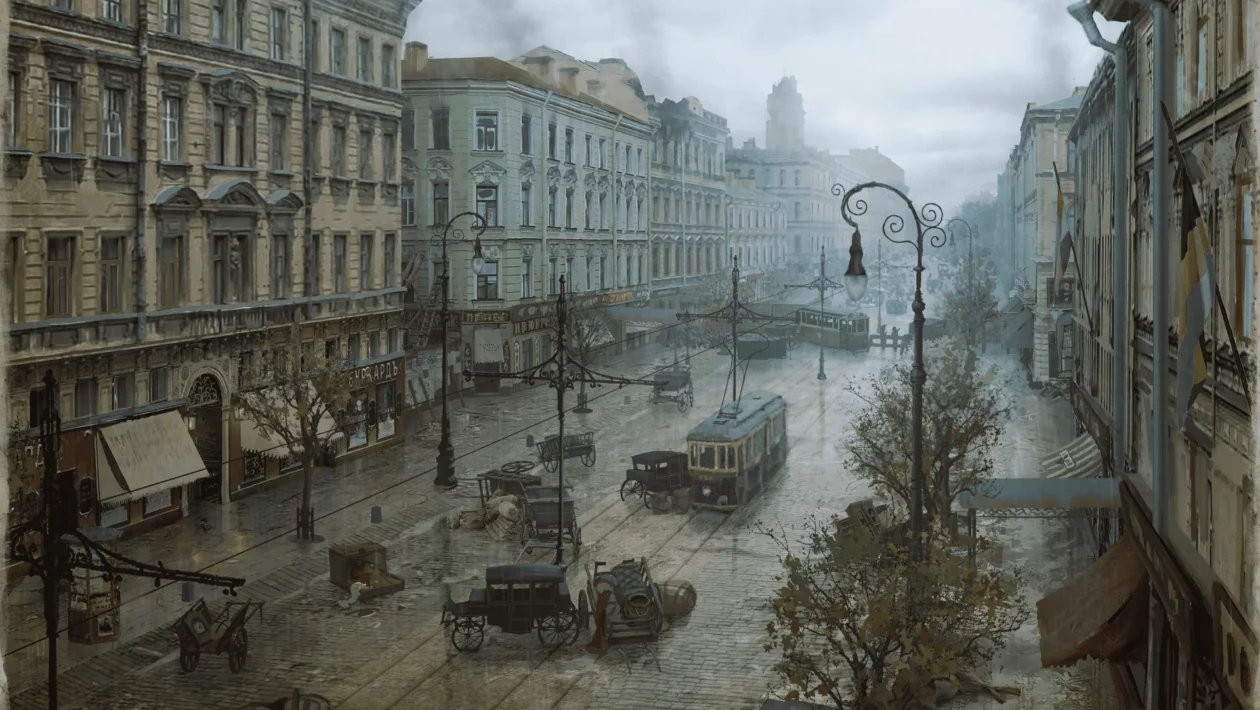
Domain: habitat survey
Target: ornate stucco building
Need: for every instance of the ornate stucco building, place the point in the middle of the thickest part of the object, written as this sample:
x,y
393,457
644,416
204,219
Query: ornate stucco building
x,y
156,253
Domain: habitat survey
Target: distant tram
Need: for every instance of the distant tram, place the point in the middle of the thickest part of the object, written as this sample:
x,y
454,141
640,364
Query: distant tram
x,y
736,452
846,331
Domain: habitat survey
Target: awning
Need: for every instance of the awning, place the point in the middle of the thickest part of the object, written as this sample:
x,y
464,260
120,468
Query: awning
x,y
1016,494
146,456
637,320
1079,459
255,440
1102,613
1019,331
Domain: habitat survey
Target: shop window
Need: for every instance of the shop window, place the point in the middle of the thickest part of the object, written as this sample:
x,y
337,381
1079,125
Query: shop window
x,y
157,503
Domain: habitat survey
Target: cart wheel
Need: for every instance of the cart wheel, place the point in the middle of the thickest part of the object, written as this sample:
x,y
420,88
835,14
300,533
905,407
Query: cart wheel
x,y
238,651
518,467
589,459
682,404
551,466
188,658
584,611
630,489
467,633
559,629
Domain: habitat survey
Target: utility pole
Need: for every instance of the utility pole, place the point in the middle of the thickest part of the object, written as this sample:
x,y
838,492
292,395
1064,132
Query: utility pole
x,y
52,560
821,283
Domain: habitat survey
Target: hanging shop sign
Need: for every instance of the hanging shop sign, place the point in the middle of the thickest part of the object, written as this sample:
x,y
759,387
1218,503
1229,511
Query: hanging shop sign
x,y
529,317
374,374
641,295
485,317
489,345
1235,649
664,292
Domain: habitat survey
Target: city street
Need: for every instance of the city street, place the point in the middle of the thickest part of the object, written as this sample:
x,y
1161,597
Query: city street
x,y
391,652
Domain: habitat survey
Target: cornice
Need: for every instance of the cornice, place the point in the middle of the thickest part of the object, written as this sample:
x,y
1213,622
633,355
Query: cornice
x,y
41,16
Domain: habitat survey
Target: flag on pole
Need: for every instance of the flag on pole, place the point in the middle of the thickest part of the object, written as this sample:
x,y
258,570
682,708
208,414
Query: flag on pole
x,y
1063,249
1196,287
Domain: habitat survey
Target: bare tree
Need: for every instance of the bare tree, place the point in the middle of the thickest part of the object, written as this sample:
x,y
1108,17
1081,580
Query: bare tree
x,y
962,422
588,329
305,406
971,303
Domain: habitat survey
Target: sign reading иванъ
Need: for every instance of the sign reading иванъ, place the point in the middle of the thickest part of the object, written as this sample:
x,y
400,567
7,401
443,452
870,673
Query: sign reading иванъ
x,y
380,372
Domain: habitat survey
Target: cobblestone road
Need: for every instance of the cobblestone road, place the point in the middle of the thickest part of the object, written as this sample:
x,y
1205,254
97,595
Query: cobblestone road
x,y
391,652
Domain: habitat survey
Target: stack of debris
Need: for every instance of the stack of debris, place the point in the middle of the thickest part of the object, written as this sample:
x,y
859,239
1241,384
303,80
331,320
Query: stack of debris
x,y
498,517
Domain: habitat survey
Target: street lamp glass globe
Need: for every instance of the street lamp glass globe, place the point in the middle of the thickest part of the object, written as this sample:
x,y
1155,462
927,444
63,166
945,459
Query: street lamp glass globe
x,y
855,286
478,264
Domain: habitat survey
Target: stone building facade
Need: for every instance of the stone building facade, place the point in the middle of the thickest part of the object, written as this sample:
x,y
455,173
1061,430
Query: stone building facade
x,y
560,177
1029,204
155,248
1210,547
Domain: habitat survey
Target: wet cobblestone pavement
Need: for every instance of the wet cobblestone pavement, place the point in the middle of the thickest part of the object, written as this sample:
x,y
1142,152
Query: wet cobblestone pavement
x,y
391,652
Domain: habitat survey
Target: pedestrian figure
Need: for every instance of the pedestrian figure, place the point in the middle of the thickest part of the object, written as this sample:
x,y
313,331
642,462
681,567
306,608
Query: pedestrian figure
x,y
896,341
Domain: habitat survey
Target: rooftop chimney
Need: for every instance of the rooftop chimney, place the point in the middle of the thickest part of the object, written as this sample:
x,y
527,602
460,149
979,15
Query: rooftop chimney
x,y
415,60
568,79
594,87
750,144
539,67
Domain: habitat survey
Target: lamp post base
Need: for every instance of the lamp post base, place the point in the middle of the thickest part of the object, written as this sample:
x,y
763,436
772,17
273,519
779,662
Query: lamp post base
x,y
822,375
445,477
581,407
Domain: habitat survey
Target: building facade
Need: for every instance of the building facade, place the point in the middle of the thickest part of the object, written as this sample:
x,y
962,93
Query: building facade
x,y
155,252
1030,204
1202,569
560,178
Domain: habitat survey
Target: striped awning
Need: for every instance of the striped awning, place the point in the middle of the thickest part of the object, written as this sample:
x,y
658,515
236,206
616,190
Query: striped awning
x,y
1079,459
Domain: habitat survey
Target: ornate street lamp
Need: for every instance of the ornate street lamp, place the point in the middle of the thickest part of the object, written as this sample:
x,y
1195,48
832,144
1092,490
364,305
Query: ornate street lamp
x,y
442,234
822,283
927,222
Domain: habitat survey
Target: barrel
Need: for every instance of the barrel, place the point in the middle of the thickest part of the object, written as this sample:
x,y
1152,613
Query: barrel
x,y
678,597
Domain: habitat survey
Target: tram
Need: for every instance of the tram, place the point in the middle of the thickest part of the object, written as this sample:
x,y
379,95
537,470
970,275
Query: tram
x,y
846,331
737,451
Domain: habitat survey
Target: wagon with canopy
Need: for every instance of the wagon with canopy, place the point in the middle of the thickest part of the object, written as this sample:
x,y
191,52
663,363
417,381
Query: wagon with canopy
x,y
655,473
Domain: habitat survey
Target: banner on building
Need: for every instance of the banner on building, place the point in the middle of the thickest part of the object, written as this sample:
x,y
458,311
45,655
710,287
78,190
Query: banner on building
x,y
488,345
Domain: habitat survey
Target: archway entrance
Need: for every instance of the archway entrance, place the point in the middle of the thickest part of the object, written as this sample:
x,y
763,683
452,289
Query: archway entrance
x,y
205,414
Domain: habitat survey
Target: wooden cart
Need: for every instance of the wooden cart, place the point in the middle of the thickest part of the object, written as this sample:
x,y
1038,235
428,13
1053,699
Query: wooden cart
x,y
199,632
511,479
673,385
541,524
575,445
630,601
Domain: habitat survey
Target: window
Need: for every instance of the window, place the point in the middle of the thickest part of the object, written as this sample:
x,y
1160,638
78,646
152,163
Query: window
x,y
389,157
242,22
568,208
279,34
159,384
1247,264
527,278
280,271
337,51
365,153
365,59
123,391
551,141
339,263
440,123
231,268
339,151
172,112
568,275
61,117
170,271
407,199
1071,157
367,241
1181,85
441,203
488,282
111,261
487,126
242,137
374,345
172,16
389,263
11,110
395,343
526,195
113,108
85,393
527,135
389,65
332,349
603,211
218,19
408,130
59,276
625,168
796,211
551,207
638,162
551,277
488,204
568,145
312,266
111,10
353,351
587,207
588,152
279,145
13,275
603,149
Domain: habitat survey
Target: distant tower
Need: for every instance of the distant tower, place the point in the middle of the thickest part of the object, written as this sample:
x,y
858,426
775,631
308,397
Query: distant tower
x,y
785,127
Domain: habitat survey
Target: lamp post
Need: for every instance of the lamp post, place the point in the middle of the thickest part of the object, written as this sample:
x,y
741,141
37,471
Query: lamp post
x,y
442,235
927,222
821,283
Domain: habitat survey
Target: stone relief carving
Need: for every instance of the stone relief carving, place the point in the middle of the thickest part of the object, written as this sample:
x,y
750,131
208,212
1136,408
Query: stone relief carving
x,y
570,250
439,170
487,173
527,250
527,172
589,181
409,170
553,250
570,177
553,177
490,253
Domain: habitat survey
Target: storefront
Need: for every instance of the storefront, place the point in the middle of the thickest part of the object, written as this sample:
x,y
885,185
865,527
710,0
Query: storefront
x,y
142,466
376,393
532,338
635,327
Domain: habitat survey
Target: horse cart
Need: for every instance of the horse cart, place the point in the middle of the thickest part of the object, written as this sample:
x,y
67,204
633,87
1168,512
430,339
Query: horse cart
x,y
518,599
655,473
627,599
541,523
673,385
575,445
199,632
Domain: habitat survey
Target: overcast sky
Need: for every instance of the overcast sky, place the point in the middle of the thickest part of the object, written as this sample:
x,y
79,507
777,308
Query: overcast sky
x,y
939,85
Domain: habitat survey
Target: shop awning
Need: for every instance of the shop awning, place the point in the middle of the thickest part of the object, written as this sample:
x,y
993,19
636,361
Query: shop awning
x,y
640,319
1100,614
1079,459
1019,331
146,456
255,440
1028,494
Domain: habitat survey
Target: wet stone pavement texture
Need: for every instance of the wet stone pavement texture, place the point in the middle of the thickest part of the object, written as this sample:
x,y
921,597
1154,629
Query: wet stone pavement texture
x,y
391,652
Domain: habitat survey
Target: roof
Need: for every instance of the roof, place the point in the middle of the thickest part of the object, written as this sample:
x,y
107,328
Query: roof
x,y
522,573
1068,104
651,458
495,69
736,420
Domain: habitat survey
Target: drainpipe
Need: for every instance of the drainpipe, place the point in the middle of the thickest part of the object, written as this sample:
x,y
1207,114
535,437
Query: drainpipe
x,y
308,155
142,169
542,194
651,254
616,205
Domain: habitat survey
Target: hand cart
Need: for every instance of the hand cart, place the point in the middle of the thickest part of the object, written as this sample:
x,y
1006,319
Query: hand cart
x,y
199,632
540,519
575,445
673,385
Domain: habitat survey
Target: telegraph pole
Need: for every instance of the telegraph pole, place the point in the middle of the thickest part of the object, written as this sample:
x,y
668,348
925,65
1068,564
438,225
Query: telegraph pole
x,y
822,283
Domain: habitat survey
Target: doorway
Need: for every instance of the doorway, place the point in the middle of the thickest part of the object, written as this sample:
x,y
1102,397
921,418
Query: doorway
x,y
205,417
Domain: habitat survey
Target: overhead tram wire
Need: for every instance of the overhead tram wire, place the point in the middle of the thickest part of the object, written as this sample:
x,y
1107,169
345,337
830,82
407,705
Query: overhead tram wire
x,y
364,499
406,407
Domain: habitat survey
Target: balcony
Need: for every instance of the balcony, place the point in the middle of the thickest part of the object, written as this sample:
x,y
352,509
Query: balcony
x,y
1061,299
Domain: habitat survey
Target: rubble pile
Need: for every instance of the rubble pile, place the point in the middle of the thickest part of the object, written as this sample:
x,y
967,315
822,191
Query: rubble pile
x,y
498,517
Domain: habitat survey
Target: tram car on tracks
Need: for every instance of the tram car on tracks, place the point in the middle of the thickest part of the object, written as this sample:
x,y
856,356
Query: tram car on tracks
x,y
844,331
734,454
762,346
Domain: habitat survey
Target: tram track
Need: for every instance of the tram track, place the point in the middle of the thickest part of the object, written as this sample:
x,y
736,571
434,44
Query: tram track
x,y
367,695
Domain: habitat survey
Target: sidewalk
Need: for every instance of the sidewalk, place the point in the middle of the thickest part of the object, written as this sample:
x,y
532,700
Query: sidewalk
x,y
267,519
